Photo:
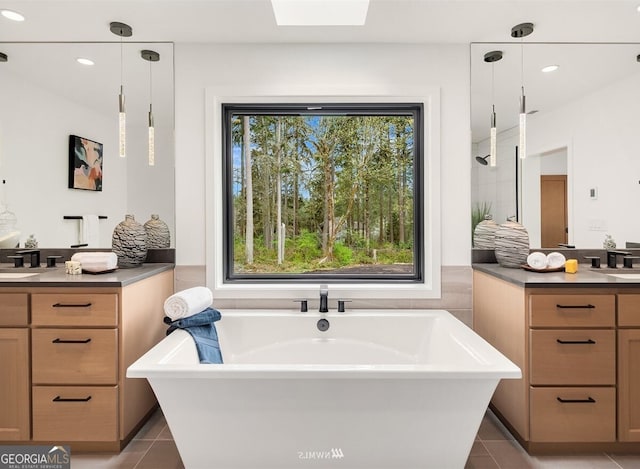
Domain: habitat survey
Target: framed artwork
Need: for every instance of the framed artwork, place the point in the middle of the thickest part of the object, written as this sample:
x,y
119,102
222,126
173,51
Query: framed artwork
x,y
85,164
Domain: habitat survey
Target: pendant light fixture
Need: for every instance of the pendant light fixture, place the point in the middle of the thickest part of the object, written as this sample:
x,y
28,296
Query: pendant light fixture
x,y
520,31
122,30
492,57
151,56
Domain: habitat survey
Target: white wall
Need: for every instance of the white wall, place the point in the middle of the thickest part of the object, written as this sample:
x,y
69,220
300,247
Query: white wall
x,y
150,189
391,69
600,132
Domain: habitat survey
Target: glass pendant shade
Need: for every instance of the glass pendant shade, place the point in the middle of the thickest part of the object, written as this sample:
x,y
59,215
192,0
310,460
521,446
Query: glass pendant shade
x,y
493,136
523,128
122,131
152,138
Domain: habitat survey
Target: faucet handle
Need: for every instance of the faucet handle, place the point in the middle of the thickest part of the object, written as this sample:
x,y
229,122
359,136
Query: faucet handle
x,y
628,261
595,261
341,305
303,305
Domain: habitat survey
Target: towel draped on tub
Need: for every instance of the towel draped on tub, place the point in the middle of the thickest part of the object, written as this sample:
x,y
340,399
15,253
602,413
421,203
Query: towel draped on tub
x,y
202,328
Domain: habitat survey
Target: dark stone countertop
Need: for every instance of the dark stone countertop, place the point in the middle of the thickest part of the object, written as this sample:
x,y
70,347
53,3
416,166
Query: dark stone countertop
x,y
56,276
585,277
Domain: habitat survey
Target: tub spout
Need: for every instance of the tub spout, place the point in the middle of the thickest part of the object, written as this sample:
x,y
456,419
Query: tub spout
x,y
324,297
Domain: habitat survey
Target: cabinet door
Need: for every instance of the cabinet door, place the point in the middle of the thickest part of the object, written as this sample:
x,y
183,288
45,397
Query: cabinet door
x,y
14,384
629,384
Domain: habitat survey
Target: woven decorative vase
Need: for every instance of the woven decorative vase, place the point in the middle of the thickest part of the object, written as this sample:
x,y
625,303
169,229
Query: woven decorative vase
x,y
512,244
129,242
484,236
158,235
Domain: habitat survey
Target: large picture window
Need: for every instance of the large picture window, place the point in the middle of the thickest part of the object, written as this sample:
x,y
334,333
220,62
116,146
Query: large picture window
x,y
323,192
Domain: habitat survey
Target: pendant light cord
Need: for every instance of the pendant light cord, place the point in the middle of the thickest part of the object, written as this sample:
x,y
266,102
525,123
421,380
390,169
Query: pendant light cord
x,y
522,64
121,60
493,88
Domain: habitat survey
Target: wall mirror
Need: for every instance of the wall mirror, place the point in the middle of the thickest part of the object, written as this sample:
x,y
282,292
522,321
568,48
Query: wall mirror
x,y
47,96
582,145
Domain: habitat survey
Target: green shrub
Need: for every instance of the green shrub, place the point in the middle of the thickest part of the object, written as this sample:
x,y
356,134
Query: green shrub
x,y
342,254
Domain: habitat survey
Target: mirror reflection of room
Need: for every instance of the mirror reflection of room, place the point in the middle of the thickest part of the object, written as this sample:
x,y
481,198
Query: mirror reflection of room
x,y
579,129
51,92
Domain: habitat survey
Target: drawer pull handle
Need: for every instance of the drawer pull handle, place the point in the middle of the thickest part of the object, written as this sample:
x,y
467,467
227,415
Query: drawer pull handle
x,y
588,400
575,306
576,342
71,399
71,305
71,341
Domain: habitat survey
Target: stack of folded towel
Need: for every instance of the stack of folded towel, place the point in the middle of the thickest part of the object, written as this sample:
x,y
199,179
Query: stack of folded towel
x,y
191,310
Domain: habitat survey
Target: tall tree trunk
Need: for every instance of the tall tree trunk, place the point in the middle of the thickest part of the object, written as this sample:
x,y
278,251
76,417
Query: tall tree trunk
x,y
402,180
390,216
279,193
246,147
294,215
367,221
267,203
381,216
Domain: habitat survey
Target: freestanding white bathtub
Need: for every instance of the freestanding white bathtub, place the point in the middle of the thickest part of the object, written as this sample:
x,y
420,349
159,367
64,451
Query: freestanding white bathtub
x,y
388,389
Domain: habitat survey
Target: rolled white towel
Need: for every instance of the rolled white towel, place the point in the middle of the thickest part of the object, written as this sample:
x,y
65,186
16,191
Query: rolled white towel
x,y
537,260
188,302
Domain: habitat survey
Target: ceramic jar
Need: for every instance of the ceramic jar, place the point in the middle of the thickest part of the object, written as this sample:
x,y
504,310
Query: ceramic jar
x,y
129,242
609,242
512,244
31,242
158,235
484,235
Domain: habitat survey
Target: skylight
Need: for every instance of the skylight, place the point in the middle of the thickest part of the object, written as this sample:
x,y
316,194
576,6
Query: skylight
x,y
320,12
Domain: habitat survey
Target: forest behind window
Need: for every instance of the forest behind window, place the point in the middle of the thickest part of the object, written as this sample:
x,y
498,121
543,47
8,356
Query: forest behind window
x,y
322,192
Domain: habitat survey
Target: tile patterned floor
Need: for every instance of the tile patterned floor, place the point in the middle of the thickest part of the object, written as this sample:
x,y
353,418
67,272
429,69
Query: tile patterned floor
x,y
494,448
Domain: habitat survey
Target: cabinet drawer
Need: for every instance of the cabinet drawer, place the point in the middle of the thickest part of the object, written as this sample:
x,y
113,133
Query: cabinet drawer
x,y
573,357
74,356
586,414
629,310
74,309
14,309
75,413
572,310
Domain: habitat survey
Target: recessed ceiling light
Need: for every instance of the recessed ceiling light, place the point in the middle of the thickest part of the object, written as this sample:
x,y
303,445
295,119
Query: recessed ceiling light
x,y
12,15
550,68
83,61
320,12
638,9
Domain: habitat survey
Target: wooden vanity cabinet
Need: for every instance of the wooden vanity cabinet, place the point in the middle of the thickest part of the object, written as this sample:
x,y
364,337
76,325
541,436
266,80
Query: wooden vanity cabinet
x,y
15,400
572,366
629,367
75,366
70,378
579,352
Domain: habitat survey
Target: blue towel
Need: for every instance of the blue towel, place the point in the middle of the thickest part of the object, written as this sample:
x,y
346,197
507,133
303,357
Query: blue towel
x,y
203,330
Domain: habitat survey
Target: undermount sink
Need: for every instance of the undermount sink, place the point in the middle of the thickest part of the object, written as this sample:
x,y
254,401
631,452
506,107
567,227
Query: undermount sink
x,y
14,275
629,276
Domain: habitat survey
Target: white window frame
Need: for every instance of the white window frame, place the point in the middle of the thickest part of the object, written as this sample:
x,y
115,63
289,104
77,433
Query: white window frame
x,y
429,287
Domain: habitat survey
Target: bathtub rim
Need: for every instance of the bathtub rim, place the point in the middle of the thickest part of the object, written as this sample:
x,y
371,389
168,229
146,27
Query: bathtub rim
x,y
153,363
